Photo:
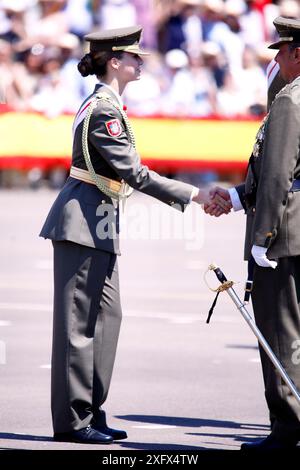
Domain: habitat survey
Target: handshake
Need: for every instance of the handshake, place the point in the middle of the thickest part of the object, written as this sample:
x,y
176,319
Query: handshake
x,y
216,201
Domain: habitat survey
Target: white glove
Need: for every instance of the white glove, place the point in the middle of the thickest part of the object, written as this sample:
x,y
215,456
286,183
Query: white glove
x,y
259,254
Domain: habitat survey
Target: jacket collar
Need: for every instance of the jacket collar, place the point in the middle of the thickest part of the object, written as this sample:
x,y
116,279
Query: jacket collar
x,y
108,89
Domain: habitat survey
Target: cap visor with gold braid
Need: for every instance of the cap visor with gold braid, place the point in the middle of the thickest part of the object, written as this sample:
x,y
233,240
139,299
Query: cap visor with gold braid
x,y
121,39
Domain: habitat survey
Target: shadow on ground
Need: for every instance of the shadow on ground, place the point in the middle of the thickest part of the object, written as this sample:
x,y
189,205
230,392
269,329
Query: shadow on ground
x,y
25,437
158,446
193,422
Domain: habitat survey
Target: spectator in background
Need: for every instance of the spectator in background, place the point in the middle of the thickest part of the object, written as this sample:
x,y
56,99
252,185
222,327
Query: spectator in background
x,y
229,99
270,11
252,83
215,61
252,24
192,27
215,29
289,9
244,93
13,23
192,91
116,14
53,97
50,23
9,84
203,88
70,50
145,16
183,29
212,16
79,17
286,8
28,71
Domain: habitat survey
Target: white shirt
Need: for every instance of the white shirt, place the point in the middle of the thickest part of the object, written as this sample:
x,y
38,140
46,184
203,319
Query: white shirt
x,y
235,199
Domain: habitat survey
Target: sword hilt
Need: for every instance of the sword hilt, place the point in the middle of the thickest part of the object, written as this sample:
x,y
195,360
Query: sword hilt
x,y
225,285
220,275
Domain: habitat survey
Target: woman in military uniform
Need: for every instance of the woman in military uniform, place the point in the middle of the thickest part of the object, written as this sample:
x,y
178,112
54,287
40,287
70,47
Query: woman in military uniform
x,y
83,227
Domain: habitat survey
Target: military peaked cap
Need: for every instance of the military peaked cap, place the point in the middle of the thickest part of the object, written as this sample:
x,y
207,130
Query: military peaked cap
x,y
121,39
288,30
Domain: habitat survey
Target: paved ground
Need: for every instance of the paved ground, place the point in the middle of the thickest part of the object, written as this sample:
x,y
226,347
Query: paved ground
x,y
178,382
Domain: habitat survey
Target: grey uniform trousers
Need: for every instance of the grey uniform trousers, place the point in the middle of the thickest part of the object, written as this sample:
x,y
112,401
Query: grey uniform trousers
x,y
86,324
276,304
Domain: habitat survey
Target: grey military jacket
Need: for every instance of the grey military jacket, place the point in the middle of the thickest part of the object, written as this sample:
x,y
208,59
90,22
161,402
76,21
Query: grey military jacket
x,y
82,213
273,221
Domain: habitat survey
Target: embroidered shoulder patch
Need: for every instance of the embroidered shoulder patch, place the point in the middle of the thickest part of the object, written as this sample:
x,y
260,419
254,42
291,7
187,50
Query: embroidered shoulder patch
x,y
114,127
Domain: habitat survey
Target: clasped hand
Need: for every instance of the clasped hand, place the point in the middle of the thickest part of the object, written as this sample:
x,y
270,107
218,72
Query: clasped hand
x,y
218,202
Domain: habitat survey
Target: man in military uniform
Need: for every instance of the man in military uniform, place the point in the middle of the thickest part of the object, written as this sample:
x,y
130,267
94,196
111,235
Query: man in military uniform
x,y
271,199
83,227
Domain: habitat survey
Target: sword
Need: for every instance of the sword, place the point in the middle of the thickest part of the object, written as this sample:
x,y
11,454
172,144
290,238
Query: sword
x,y
227,285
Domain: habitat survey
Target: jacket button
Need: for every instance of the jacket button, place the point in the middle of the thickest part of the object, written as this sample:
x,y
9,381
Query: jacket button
x,y
253,210
103,201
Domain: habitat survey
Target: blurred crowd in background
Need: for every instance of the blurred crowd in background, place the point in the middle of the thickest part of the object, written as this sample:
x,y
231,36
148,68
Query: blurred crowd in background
x,y
209,57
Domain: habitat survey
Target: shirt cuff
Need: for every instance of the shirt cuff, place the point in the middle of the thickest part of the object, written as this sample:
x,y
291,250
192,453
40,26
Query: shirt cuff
x,y
194,193
235,199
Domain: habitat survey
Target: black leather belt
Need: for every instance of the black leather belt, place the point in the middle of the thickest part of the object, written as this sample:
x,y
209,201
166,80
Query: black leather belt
x,y
295,186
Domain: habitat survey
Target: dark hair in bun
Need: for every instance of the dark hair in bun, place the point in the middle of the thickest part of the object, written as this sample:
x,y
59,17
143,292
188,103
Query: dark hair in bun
x,y
96,65
86,66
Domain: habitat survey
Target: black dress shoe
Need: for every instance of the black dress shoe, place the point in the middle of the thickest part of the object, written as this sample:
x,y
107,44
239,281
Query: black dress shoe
x,y
99,423
86,435
116,434
270,443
